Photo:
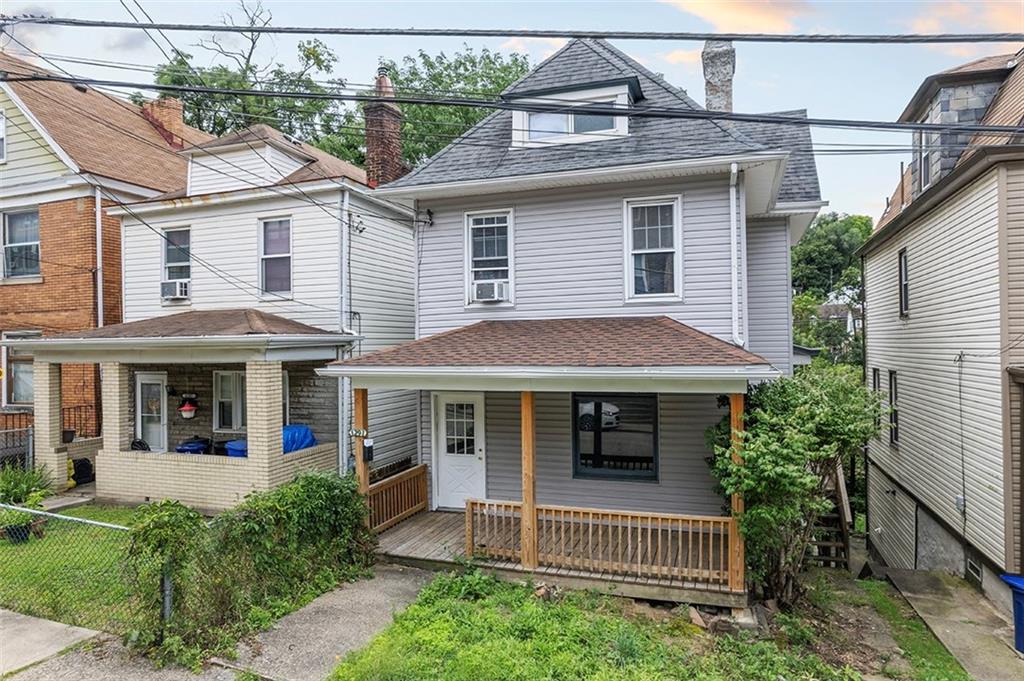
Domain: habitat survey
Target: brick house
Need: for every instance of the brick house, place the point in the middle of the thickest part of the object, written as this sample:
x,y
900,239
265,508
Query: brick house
x,y
66,152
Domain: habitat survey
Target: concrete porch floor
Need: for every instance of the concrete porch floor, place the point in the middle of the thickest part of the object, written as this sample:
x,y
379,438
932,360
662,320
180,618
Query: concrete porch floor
x,y
966,623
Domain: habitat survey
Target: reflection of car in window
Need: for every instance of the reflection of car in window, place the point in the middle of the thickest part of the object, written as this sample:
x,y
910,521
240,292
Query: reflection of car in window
x,y
609,416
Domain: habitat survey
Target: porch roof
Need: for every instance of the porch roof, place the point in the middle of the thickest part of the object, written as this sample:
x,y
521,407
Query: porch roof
x,y
235,335
626,353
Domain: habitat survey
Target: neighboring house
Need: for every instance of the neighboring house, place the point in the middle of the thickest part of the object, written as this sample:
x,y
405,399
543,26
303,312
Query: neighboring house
x,y
845,314
944,321
66,152
269,259
587,286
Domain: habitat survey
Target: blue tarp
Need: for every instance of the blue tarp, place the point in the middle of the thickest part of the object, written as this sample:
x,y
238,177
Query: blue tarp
x,y
297,436
237,447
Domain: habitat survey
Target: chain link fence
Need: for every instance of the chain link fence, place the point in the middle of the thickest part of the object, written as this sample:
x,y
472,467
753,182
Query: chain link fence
x,y
70,569
16,447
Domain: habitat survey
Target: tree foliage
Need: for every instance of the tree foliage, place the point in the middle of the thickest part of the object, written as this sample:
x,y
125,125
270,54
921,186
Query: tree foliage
x,y
824,260
428,128
797,430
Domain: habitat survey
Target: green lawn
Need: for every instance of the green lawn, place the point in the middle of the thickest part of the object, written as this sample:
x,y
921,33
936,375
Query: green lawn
x,y
473,628
72,574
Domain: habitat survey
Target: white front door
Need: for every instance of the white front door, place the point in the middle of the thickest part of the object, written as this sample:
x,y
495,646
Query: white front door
x,y
459,445
151,410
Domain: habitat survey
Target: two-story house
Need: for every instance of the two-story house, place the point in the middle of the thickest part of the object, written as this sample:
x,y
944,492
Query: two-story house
x,y
66,153
268,260
944,323
589,285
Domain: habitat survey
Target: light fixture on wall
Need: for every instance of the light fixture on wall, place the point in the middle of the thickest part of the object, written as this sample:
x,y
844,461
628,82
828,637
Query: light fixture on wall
x,y
188,407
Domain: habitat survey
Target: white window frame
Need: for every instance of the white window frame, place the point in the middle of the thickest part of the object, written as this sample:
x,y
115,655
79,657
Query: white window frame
x,y
3,244
616,94
152,377
468,255
5,355
3,136
166,244
677,247
238,402
277,295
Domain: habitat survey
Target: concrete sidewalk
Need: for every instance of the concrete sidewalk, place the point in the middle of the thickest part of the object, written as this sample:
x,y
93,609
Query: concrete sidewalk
x,y
966,623
25,640
307,644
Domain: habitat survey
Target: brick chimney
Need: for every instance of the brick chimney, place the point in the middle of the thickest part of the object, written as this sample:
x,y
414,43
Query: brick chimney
x,y
383,135
167,115
719,59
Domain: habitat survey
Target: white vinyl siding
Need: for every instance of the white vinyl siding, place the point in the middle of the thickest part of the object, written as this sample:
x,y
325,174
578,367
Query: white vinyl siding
x,y
891,521
770,304
29,158
954,258
1014,288
222,170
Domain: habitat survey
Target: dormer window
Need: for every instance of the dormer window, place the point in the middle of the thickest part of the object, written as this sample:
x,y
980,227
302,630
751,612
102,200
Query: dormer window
x,y
546,128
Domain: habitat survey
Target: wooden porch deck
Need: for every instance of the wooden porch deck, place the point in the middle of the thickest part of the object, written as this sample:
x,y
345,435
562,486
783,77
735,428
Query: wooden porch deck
x,y
437,540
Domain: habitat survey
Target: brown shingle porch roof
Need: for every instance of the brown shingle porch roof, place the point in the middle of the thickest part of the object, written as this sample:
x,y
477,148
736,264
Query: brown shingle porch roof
x,y
238,322
591,342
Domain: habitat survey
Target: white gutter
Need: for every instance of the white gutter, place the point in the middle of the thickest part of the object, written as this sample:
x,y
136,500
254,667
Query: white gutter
x,y
98,201
737,336
343,382
694,372
276,341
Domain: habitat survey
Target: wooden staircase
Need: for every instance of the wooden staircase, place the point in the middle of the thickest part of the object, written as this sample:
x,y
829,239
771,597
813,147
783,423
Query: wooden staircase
x,y
830,546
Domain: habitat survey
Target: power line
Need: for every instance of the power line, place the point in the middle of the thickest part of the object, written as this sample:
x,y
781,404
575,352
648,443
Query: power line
x,y
847,38
595,109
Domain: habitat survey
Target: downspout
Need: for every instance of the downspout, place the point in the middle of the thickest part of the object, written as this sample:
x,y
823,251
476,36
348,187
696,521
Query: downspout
x,y
737,336
343,383
98,210
744,268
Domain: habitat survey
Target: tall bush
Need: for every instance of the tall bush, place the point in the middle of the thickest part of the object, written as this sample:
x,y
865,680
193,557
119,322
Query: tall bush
x,y
796,431
247,566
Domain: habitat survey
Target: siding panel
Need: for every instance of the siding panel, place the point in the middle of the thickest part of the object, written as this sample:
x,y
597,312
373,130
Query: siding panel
x,y
1014,356
29,158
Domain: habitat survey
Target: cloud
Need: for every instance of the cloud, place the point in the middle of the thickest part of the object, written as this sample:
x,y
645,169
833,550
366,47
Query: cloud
x,y
545,46
127,41
953,16
760,16
689,57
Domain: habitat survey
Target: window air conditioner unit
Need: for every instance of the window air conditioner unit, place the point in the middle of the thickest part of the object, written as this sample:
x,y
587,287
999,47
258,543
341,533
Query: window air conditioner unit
x,y
174,290
490,291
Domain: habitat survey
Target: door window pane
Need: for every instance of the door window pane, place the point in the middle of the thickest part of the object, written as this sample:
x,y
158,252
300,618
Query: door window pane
x,y
460,437
615,436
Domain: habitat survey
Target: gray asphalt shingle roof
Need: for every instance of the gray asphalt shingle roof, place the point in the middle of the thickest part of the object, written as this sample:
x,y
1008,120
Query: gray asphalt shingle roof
x,y
484,151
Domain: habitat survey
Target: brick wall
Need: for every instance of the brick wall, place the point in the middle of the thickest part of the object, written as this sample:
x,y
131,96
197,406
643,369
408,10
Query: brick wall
x,y
65,299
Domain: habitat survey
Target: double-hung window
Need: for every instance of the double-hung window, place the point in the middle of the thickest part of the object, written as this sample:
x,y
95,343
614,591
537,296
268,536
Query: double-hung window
x,y
177,250
17,374
654,252
894,414
876,387
904,283
229,401
20,244
615,436
489,242
276,256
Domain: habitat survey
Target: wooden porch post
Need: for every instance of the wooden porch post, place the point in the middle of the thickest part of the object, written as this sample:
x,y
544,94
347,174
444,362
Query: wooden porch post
x,y
361,417
737,556
528,522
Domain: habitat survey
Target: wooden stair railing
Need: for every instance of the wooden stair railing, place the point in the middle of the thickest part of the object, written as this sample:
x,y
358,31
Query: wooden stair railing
x,y
830,546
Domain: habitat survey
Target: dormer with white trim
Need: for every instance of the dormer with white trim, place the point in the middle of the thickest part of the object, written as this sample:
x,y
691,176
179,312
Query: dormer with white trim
x,y
556,122
255,157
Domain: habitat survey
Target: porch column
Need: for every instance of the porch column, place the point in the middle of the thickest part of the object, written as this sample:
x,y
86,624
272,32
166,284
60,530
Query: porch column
x,y
528,522
361,422
263,415
49,453
737,555
117,427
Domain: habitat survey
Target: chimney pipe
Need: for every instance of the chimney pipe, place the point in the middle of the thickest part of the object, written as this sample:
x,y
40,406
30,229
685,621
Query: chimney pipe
x,y
383,134
719,60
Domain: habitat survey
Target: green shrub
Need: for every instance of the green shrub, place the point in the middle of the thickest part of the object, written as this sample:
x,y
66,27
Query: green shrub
x,y
248,566
17,484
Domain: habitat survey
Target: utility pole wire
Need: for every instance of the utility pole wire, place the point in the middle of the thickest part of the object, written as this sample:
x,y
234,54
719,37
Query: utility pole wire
x,y
847,38
596,109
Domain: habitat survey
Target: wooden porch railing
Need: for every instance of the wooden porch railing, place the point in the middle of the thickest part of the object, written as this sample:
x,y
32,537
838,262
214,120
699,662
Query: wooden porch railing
x,y
394,499
696,549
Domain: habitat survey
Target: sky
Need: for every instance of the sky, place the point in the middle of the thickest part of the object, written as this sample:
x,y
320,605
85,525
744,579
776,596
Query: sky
x,y
830,81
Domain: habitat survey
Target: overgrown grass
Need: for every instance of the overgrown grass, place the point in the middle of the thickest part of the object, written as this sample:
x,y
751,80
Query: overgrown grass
x,y
473,628
929,658
72,574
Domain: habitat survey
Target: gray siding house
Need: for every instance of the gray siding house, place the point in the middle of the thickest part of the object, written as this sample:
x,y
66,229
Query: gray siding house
x,y
588,286
943,272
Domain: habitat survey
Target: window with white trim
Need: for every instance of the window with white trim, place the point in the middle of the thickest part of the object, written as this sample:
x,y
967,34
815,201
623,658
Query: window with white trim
x,y
18,372
276,256
229,401
489,245
563,126
19,240
177,254
3,136
654,253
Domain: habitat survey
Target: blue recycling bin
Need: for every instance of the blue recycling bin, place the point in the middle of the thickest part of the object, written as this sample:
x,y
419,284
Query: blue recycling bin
x,y
237,448
1016,584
